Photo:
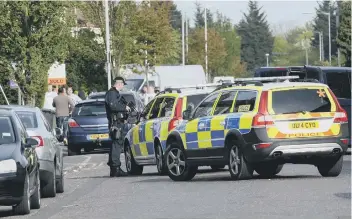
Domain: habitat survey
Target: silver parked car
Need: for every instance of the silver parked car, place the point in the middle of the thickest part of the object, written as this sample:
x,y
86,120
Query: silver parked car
x,y
49,152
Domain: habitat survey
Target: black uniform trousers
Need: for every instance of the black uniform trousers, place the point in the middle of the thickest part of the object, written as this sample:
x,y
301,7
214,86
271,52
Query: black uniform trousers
x,y
117,144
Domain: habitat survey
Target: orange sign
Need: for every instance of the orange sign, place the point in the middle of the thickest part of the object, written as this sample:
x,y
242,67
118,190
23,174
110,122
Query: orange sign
x,y
57,81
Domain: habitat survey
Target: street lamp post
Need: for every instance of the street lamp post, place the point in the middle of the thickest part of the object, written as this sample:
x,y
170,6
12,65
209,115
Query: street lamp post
x,y
267,59
107,38
206,43
329,21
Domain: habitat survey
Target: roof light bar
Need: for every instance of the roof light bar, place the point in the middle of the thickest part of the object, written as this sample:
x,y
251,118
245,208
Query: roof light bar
x,y
198,86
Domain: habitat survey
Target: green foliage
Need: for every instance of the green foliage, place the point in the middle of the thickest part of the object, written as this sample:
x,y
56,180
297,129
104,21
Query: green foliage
x,y
344,32
33,36
216,50
257,39
86,61
199,17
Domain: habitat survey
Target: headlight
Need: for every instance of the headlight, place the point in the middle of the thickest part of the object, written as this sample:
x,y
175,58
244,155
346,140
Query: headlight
x,y
8,166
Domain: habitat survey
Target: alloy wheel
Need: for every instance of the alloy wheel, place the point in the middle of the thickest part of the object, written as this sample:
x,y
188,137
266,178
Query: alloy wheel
x,y
176,162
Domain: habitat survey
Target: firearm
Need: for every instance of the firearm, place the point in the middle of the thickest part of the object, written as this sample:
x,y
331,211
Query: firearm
x,y
129,104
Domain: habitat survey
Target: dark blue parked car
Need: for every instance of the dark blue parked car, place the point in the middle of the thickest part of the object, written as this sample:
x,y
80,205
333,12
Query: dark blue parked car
x,y
337,78
88,125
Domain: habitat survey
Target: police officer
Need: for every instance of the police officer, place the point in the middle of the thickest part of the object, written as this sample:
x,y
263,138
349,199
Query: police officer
x,y
116,113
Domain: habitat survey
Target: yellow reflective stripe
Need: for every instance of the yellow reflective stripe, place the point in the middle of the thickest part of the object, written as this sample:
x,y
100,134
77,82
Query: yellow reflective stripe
x,y
233,103
143,148
215,103
246,120
149,131
184,103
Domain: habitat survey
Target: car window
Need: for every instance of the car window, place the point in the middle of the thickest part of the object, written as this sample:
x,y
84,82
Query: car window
x,y
245,101
90,109
195,99
47,126
167,107
28,119
147,108
6,131
205,108
156,108
225,102
340,84
299,100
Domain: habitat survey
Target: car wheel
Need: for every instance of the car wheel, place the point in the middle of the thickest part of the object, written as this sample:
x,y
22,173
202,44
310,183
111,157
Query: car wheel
x,y
49,190
24,206
72,150
35,199
131,166
330,168
177,166
217,167
160,162
268,169
60,185
238,166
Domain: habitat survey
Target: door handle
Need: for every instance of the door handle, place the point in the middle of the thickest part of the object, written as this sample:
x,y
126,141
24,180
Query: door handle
x,y
222,123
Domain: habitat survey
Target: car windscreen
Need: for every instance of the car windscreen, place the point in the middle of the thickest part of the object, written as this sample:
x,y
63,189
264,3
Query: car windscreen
x,y
300,100
133,84
339,82
6,131
195,99
97,96
28,119
89,109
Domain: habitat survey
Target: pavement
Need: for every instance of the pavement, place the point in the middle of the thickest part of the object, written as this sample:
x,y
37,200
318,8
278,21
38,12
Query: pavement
x,y
297,192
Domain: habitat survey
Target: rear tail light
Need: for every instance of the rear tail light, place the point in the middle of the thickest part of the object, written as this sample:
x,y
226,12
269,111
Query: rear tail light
x,y
344,141
177,115
39,139
72,123
262,145
340,115
262,119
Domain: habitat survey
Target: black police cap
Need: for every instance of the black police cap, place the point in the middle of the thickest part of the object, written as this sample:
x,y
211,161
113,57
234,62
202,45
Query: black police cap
x,y
120,79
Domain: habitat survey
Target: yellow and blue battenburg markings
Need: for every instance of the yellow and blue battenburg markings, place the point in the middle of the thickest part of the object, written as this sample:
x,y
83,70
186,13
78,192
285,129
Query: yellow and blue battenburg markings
x,y
207,132
142,137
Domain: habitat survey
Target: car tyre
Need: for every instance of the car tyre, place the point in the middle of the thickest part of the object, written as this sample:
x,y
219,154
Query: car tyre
x,y
49,190
131,166
160,161
176,164
24,206
331,168
268,169
72,150
35,198
60,184
238,166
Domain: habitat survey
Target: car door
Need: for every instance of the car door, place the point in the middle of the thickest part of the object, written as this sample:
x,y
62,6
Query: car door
x,y
147,128
221,116
197,130
137,131
54,149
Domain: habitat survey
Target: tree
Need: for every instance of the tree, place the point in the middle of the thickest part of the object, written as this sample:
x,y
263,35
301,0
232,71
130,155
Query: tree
x,y
33,36
232,63
199,17
86,62
344,32
216,50
321,24
257,39
175,17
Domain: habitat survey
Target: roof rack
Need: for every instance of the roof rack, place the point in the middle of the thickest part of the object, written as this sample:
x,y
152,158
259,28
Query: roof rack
x,y
179,88
256,81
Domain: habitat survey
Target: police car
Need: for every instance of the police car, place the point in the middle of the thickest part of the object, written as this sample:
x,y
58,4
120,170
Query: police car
x,y
251,125
145,143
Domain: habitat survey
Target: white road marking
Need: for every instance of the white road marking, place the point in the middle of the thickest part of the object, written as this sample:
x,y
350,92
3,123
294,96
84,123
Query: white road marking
x,y
79,165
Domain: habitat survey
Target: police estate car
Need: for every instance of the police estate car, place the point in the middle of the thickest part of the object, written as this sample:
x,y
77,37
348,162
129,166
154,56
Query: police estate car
x,y
260,126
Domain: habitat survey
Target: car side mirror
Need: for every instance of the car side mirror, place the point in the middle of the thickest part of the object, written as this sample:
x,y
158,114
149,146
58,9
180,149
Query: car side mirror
x,y
59,134
31,143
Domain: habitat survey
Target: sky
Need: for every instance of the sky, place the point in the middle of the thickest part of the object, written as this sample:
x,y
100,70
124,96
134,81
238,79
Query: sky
x,y
282,15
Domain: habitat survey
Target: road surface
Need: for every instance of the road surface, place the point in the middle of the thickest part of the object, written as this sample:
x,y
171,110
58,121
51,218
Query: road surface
x,y
298,192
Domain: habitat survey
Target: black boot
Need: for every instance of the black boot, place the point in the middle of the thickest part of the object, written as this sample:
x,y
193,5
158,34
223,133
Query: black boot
x,y
117,172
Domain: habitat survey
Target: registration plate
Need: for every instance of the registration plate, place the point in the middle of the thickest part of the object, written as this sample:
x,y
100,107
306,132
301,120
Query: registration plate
x,y
304,125
100,136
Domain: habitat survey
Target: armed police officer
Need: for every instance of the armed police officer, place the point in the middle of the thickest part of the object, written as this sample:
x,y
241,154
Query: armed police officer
x,y
116,110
